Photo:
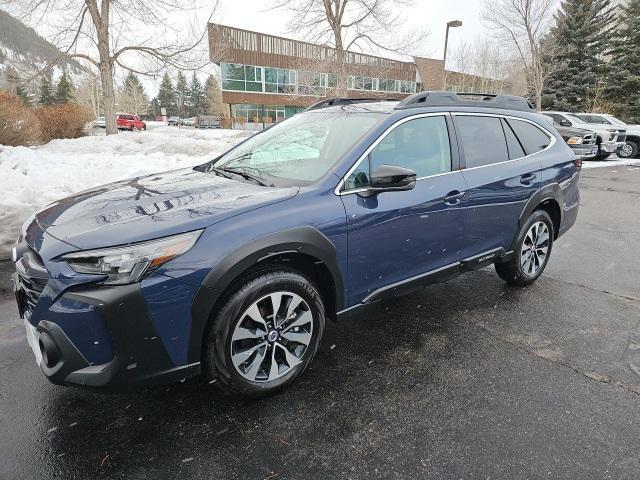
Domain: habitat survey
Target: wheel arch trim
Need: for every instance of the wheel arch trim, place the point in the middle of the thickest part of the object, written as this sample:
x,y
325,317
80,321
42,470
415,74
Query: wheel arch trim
x,y
552,191
300,240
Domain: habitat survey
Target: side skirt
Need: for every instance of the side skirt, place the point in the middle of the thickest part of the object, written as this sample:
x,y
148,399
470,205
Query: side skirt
x,y
439,275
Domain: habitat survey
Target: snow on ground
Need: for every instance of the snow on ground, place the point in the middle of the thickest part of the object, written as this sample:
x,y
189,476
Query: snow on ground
x,y
613,162
33,177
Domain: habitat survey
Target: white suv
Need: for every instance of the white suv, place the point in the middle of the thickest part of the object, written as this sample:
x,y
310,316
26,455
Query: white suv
x,y
610,139
632,139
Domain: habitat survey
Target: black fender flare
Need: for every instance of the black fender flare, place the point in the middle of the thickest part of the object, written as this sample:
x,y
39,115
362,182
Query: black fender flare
x,y
300,240
551,191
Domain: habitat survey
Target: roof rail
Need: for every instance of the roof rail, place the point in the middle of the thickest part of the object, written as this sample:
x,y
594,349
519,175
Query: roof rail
x,y
330,102
449,99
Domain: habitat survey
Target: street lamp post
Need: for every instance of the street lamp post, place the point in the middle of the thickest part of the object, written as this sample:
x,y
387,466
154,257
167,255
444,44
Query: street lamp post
x,y
450,24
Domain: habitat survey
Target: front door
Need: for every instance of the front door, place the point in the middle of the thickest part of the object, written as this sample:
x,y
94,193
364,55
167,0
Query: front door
x,y
393,236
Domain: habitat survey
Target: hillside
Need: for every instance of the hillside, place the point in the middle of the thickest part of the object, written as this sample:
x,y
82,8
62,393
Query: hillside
x,y
26,51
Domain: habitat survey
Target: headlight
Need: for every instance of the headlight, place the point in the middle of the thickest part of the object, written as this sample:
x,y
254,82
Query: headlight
x,y
575,141
128,264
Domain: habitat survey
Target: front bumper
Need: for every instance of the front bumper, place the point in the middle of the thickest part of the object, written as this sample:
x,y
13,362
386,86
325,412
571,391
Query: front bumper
x,y
139,356
611,147
585,151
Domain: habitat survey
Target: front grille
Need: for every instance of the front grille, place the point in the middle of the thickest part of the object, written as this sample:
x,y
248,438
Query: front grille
x,y
32,278
621,137
589,139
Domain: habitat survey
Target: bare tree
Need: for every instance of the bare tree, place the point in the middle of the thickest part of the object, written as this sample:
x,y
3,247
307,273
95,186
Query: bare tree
x,y
524,23
136,35
354,25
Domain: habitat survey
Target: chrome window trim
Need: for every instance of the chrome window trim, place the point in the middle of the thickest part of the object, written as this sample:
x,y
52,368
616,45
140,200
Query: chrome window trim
x,y
443,114
375,144
513,117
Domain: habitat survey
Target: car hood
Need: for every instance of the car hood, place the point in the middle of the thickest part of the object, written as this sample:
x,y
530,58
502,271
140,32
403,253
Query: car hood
x,y
152,206
568,132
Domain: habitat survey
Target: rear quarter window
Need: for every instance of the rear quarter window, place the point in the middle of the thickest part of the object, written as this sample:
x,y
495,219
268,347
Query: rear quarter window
x,y
531,137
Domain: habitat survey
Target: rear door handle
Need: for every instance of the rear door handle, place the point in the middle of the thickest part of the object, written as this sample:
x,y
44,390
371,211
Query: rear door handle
x,y
527,179
454,197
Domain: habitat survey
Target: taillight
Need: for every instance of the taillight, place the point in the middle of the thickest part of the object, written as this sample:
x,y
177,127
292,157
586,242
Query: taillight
x,y
578,162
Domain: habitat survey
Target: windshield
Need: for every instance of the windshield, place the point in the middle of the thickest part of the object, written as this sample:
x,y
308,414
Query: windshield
x,y
615,121
300,150
575,118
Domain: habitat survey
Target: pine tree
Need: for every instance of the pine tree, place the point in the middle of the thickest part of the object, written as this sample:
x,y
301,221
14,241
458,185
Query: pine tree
x,y
213,96
133,97
580,39
622,89
181,94
167,96
196,97
65,90
46,90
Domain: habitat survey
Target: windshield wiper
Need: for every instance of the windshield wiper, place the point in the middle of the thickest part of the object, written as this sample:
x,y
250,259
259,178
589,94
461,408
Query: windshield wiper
x,y
219,171
243,174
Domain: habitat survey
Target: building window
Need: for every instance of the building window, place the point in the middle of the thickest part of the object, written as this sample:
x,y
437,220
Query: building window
x,y
279,80
249,78
275,112
312,83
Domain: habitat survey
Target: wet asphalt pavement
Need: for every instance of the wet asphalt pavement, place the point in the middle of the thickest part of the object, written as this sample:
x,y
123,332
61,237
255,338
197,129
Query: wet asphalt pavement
x,y
468,379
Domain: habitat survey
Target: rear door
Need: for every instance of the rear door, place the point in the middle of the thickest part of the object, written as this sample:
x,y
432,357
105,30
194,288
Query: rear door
x,y
502,171
393,236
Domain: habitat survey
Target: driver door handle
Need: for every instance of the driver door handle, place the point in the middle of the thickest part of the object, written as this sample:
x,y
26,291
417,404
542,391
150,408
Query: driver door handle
x,y
527,179
454,197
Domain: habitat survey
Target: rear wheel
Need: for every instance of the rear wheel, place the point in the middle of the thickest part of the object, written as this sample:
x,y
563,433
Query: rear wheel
x,y
630,150
265,335
531,255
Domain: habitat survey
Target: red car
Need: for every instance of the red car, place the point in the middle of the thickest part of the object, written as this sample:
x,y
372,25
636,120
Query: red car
x,y
127,121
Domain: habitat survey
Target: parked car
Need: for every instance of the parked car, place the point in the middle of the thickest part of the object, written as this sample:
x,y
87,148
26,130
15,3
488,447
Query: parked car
x,y
101,122
127,121
173,121
609,139
230,269
188,122
632,138
581,141
208,121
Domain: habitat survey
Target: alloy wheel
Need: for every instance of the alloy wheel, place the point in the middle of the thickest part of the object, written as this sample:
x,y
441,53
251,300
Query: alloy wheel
x,y
271,337
626,151
535,247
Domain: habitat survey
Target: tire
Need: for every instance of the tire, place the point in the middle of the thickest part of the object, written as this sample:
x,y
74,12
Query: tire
x,y
519,271
630,150
234,331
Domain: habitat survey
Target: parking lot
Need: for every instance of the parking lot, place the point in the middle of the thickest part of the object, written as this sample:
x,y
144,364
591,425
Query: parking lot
x,y
467,379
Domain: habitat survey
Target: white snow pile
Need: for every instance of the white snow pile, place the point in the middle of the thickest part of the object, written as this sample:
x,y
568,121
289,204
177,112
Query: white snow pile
x,y
615,162
33,177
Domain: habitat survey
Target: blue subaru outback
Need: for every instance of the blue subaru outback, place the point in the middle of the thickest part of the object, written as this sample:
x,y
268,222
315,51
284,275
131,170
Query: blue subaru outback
x,y
231,269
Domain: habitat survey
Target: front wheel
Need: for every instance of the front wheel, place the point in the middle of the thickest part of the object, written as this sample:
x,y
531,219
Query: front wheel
x,y
265,335
630,150
531,255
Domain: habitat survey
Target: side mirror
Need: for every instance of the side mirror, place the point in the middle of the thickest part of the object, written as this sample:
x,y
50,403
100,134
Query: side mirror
x,y
388,178
565,123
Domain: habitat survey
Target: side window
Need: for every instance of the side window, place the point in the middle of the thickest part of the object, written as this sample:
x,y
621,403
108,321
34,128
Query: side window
x,y
483,140
513,144
531,137
559,119
421,145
